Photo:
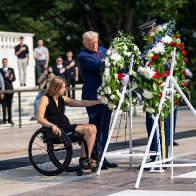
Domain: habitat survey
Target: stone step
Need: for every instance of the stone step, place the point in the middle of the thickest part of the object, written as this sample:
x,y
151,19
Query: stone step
x,y
75,114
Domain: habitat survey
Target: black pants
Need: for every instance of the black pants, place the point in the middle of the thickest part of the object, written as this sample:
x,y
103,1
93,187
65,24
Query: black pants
x,y
71,83
7,103
40,67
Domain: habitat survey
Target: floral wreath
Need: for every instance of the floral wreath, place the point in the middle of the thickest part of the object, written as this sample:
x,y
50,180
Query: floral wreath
x,y
117,65
158,56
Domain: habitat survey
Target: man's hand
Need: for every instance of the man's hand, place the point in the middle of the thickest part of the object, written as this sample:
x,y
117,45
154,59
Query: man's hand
x,y
2,96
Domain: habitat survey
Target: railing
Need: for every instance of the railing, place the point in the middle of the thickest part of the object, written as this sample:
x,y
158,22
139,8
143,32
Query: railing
x,y
19,92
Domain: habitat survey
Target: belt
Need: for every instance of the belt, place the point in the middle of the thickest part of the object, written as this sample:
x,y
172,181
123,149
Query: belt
x,y
22,58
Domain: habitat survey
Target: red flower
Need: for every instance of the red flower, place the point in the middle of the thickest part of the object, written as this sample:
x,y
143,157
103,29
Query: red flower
x,y
149,64
157,75
184,52
181,46
176,36
166,73
120,76
186,60
177,101
173,44
155,57
185,84
184,72
160,95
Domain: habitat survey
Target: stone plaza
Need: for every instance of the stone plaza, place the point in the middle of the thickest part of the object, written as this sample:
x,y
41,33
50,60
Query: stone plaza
x,y
18,177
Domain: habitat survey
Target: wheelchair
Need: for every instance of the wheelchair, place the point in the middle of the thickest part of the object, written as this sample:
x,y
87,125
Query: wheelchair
x,y
51,155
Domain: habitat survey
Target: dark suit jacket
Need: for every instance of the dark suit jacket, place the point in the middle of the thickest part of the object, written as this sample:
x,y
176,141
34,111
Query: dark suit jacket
x,y
8,81
90,66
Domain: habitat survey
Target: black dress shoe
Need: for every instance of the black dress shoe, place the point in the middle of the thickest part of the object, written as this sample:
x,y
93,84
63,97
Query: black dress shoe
x,y
104,167
110,165
10,121
175,144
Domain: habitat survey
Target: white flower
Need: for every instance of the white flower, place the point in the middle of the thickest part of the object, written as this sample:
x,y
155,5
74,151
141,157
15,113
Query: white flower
x,y
150,110
167,39
134,85
111,105
125,47
147,94
107,90
112,96
162,27
109,52
135,47
149,54
104,100
158,48
118,93
102,93
141,70
125,53
116,57
148,72
107,72
178,40
107,62
129,54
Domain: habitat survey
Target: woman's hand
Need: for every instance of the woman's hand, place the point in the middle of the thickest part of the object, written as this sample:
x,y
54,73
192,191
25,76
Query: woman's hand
x,y
99,101
56,130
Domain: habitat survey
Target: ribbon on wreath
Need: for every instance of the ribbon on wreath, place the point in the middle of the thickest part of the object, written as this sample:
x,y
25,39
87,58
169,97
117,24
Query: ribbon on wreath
x,y
163,139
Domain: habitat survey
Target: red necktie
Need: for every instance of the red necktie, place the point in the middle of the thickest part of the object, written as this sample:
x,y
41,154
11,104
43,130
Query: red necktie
x,y
99,56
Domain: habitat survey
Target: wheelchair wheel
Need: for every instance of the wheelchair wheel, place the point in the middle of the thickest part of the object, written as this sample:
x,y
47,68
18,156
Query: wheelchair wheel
x,y
49,154
74,164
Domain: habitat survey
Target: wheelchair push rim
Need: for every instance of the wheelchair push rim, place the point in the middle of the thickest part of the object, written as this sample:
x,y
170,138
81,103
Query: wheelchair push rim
x,y
49,155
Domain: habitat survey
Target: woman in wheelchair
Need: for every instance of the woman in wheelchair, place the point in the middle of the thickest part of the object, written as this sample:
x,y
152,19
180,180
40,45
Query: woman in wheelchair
x,y
51,110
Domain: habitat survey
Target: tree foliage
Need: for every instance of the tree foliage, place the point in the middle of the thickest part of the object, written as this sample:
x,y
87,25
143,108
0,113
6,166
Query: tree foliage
x,y
61,23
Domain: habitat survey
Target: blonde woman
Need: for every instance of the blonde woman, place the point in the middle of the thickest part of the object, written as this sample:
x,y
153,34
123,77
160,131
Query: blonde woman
x,y
51,110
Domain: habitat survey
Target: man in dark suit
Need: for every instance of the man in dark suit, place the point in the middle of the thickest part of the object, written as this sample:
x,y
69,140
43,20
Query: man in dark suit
x,y
9,76
90,65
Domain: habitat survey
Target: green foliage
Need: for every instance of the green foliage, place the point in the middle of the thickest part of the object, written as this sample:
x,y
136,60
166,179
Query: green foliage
x,y
61,23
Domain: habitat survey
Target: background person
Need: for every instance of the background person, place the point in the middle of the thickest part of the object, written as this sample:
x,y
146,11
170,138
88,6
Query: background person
x,y
41,56
59,68
90,65
43,82
51,111
22,53
9,77
71,72
2,87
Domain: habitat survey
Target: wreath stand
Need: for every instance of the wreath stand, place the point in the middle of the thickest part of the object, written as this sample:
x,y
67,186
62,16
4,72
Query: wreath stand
x,y
129,153
169,87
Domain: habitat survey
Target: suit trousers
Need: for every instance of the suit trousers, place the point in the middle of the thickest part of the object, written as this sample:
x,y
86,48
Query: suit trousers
x,y
164,137
100,116
7,103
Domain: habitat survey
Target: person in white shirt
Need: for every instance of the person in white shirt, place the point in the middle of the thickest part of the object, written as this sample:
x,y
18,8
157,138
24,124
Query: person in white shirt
x,y
41,56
